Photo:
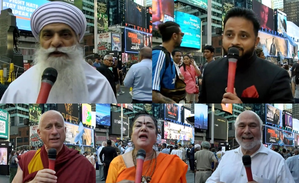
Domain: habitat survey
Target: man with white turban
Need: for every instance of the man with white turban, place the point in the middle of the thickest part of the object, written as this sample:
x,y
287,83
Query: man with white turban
x,y
59,27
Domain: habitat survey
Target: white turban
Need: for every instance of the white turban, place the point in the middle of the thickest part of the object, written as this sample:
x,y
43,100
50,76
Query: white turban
x,y
58,12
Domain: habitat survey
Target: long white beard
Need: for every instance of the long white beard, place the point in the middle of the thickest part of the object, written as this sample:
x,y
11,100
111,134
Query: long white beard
x,y
70,85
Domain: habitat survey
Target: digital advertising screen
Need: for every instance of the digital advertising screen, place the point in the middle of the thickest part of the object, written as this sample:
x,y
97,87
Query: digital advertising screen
x,y
4,120
116,42
177,132
72,131
23,11
103,114
135,40
35,140
296,139
116,124
220,127
271,135
264,14
163,11
86,114
102,16
273,115
296,125
34,113
201,116
203,4
187,114
278,137
273,46
280,21
70,112
3,156
135,14
191,27
224,107
172,112
288,122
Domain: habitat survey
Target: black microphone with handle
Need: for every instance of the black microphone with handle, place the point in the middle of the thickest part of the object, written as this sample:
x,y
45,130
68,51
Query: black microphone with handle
x,y
247,163
48,79
52,158
140,160
233,55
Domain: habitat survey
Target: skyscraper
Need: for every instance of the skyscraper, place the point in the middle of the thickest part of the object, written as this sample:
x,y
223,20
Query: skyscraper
x,y
291,8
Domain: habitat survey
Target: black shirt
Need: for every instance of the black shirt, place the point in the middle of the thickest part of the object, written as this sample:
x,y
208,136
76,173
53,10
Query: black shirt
x,y
109,153
103,69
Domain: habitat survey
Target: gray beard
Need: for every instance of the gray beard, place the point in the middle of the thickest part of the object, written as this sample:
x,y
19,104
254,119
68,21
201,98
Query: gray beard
x,y
70,85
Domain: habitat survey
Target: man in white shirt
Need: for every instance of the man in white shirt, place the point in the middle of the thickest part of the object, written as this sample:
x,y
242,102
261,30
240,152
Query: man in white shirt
x,y
177,151
266,165
101,166
165,149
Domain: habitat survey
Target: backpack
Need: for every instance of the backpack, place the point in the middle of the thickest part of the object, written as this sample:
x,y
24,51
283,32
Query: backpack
x,y
179,93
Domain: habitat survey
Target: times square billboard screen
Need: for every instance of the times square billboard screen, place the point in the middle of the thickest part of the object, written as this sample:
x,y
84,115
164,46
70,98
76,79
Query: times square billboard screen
x,y
264,14
201,116
191,27
278,137
135,40
172,112
23,11
280,21
273,115
177,132
203,4
162,11
135,14
288,121
273,46
103,114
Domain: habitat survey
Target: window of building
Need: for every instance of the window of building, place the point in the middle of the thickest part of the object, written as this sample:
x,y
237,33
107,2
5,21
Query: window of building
x,y
230,126
19,139
20,133
26,139
27,132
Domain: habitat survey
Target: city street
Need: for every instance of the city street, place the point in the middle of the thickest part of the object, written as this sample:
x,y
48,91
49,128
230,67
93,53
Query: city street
x,y
126,97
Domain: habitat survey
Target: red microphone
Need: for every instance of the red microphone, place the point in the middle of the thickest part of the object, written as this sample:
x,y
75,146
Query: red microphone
x,y
52,158
48,79
139,159
247,163
233,55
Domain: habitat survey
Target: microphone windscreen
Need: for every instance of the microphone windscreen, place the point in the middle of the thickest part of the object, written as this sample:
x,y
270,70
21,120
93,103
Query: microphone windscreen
x,y
50,74
233,52
141,153
246,160
52,153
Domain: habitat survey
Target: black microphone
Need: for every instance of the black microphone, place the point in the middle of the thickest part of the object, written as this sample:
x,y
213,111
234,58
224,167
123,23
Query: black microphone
x,y
52,158
233,55
48,79
247,163
139,159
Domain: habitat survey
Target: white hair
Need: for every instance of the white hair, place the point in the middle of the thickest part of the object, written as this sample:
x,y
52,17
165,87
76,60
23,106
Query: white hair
x,y
107,57
257,117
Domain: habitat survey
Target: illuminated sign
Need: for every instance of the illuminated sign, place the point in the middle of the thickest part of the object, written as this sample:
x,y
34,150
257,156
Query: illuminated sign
x,y
135,40
4,124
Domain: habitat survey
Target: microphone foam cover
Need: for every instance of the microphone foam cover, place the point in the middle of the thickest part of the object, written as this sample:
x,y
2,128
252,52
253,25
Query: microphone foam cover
x,y
233,52
141,152
52,153
50,74
246,160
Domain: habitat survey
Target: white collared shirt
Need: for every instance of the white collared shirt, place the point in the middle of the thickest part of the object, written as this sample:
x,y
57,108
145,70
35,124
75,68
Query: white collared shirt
x,y
267,166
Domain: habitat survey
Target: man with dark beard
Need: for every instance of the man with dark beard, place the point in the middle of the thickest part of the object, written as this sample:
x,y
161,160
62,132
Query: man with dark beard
x,y
256,80
266,165
59,27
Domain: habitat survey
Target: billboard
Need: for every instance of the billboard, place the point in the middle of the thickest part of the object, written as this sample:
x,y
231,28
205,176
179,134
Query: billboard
x,y
4,120
34,113
116,124
273,115
163,11
23,11
104,43
264,14
203,4
296,125
115,42
102,16
273,46
220,127
177,132
3,155
201,116
278,137
72,131
69,112
135,14
280,21
135,40
35,141
287,121
172,112
86,114
224,107
187,114
191,27
103,114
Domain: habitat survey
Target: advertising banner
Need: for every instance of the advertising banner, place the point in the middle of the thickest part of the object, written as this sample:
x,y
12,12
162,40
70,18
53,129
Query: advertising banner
x,y
116,42
288,121
220,127
102,16
116,124
73,130
224,107
273,115
34,113
135,40
135,14
103,114
23,11
69,112
191,27
296,125
86,114
35,141
203,4
281,22
3,155
162,11
278,137
4,120
177,132
201,116
104,43
264,14
172,112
